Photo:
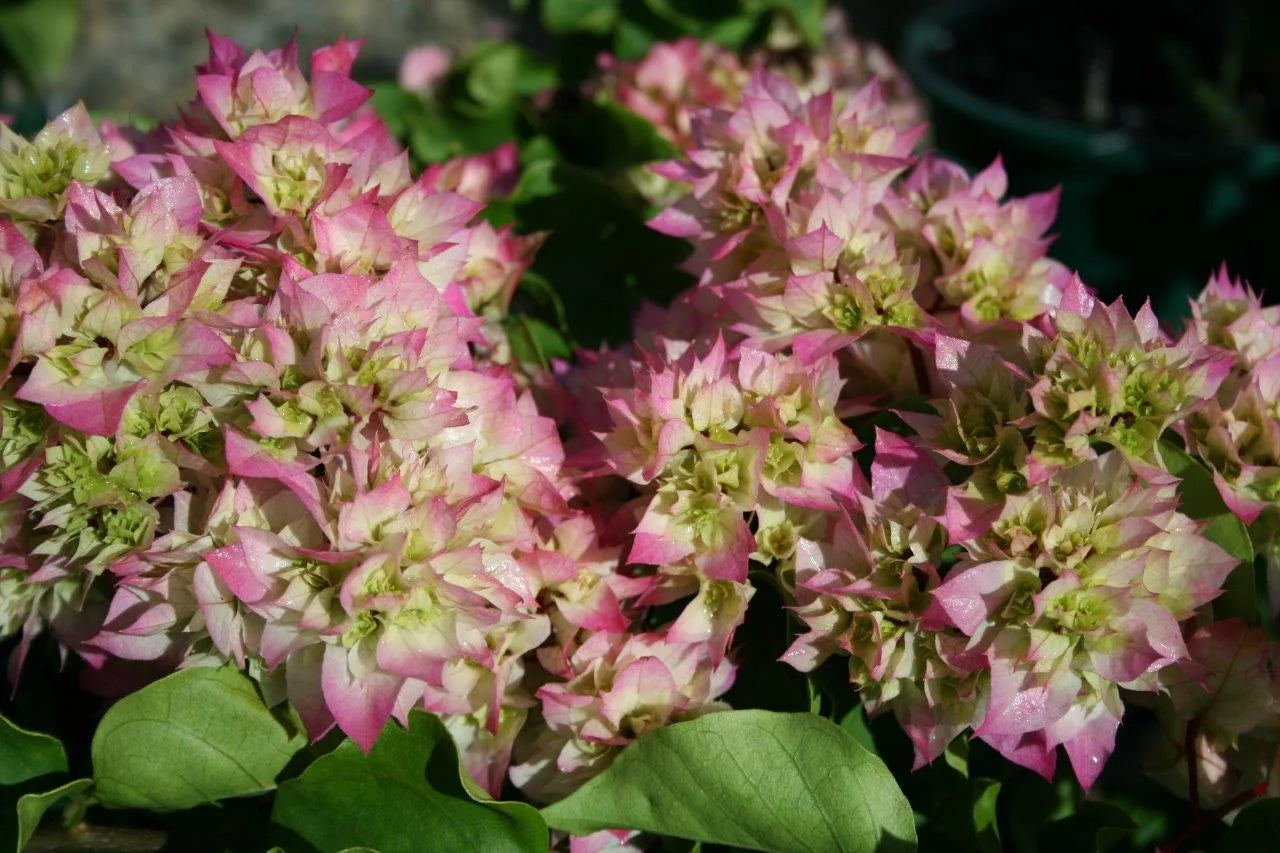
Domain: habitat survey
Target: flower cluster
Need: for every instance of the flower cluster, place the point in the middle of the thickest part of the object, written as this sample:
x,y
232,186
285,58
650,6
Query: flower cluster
x,y
672,82
953,457
255,409
1239,435
676,80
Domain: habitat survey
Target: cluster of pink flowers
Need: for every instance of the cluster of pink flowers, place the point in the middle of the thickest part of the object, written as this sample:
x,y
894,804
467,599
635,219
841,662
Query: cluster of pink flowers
x,y
1225,699
676,80
258,407
949,452
255,410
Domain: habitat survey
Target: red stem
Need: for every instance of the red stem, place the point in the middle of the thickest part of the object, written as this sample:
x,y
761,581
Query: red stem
x,y
1193,772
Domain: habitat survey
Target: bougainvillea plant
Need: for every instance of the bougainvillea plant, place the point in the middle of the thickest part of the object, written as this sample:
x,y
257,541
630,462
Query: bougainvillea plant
x,y
324,499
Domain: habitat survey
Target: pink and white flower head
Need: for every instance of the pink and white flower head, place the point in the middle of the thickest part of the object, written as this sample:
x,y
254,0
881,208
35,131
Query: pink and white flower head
x,y
676,79
988,256
846,63
243,402
423,67
1238,433
812,234
717,437
865,590
1077,589
747,162
616,688
672,82
1240,439
35,174
479,177
238,91
1230,315
1105,375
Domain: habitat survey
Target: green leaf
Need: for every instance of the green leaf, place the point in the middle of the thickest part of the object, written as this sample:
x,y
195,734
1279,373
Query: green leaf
x,y
399,108
535,290
985,827
492,72
807,16
600,257
1229,532
957,756
32,807
436,131
533,341
1095,827
1256,828
28,755
607,137
695,17
855,723
1240,592
591,16
25,759
194,737
754,779
1198,497
733,33
408,789
39,35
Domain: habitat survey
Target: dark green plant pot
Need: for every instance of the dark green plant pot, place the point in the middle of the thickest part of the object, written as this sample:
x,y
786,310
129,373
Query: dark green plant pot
x,y
1142,218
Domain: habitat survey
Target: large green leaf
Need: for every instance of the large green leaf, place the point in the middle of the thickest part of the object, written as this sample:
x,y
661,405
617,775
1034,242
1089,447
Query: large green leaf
x,y
407,794
754,779
495,74
194,737
27,755
435,129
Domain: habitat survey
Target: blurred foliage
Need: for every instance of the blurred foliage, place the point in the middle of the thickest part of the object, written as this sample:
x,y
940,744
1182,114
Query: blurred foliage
x,y
37,38
628,28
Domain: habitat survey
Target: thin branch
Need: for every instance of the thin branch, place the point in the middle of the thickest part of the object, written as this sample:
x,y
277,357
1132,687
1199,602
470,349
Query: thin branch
x,y
1193,770
99,839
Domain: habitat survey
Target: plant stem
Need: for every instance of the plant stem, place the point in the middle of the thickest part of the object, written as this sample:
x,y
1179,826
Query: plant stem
x,y
1193,771
106,839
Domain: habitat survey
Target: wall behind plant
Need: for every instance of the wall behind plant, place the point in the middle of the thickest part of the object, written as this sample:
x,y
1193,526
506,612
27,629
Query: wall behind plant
x,y
137,55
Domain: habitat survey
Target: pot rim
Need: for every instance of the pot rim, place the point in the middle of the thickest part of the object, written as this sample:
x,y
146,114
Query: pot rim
x,y
931,34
